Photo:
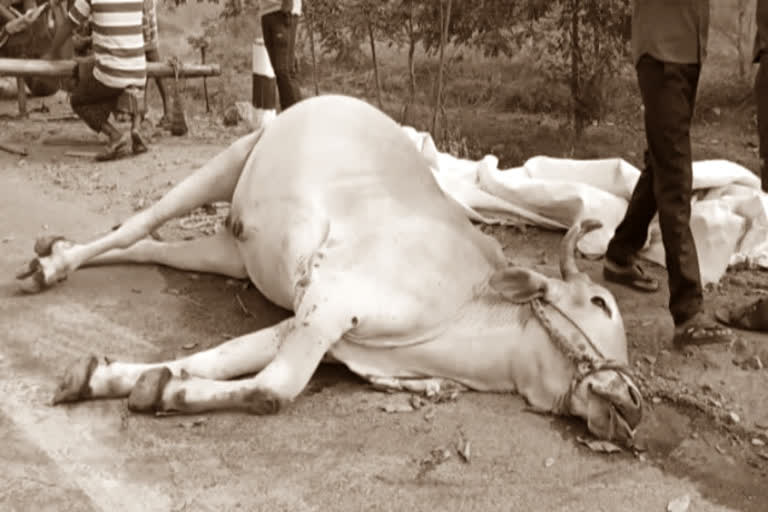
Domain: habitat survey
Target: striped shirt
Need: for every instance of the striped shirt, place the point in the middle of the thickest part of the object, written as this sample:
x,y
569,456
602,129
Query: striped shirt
x,y
268,6
118,40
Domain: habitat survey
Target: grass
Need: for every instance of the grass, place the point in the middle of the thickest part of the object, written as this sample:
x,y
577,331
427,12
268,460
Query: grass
x,y
504,106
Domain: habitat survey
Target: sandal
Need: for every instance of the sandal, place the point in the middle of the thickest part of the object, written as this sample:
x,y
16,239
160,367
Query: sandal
x,y
115,150
631,275
164,123
138,144
701,331
749,317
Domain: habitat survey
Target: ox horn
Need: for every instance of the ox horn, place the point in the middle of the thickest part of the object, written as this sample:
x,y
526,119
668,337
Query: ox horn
x,y
568,268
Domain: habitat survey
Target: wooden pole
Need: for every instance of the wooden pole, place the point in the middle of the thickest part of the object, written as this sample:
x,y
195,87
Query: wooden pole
x,y
205,82
68,68
21,94
11,148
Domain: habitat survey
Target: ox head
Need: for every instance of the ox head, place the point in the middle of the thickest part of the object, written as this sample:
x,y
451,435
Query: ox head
x,y
584,370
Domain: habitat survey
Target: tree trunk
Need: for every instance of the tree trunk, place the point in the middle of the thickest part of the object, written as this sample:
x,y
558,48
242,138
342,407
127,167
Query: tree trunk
x,y
445,19
411,66
578,118
311,30
205,82
740,39
373,59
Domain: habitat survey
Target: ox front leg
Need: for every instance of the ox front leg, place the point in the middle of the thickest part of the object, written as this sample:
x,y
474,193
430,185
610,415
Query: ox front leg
x,y
214,181
315,329
91,377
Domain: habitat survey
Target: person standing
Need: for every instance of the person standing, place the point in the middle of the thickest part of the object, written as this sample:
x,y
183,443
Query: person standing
x,y
118,64
152,52
760,57
669,41
753,315
279,20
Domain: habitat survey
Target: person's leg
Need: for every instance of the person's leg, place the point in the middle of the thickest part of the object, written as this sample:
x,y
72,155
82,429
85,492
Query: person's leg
x,y
632,233
93,102
279,30
153,55
761,99
669,102
669,106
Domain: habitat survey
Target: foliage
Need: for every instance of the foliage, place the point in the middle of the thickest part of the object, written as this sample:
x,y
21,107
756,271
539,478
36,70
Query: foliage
x,y
585,43
581,42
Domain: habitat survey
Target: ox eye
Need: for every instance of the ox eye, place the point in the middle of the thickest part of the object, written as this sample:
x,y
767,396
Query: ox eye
x,y
600,302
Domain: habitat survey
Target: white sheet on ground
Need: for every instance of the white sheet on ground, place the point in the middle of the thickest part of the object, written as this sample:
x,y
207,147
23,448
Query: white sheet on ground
x,y
729,216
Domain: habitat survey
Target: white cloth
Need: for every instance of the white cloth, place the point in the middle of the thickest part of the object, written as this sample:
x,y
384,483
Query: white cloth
x,y
729,216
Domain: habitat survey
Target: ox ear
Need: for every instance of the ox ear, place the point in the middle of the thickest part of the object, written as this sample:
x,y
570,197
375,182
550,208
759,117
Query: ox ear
x,y
519,284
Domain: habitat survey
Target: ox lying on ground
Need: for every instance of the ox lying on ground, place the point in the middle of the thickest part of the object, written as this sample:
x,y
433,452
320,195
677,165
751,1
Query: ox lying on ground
x,y
336,216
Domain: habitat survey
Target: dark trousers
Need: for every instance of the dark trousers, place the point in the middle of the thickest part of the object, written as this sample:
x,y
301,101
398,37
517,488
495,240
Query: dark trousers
x,y
279,30
666,183
91,100
761,99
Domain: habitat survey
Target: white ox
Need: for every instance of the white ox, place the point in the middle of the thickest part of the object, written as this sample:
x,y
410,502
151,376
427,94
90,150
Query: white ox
x,y
336,216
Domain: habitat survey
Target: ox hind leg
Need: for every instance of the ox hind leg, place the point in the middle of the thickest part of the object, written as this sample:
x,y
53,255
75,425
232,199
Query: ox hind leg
x,y
214,181
215,254
92,377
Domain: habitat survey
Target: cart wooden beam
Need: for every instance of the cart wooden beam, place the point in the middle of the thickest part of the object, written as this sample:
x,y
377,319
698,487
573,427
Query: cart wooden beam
x,y
67,68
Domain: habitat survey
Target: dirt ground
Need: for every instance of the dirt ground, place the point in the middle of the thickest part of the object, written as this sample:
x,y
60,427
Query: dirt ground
x,y
336,447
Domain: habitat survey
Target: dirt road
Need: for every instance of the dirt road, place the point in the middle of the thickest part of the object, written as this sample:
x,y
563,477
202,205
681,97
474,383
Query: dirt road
x,y
334,448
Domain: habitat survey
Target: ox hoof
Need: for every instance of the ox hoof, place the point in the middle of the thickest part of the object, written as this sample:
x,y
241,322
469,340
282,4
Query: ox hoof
x,y
262,402
147,394
45,270
44,244
75,385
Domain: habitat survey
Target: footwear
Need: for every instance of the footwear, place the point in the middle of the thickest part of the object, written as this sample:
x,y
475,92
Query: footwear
x,y
137,143
700,330
631,275
115,150
752,316
164,123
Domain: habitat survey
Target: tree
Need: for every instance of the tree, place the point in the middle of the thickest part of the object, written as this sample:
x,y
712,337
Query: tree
x,y
735,21
588,43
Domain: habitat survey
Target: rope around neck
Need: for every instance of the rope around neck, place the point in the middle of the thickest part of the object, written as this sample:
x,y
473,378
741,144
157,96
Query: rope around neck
x,y
584,363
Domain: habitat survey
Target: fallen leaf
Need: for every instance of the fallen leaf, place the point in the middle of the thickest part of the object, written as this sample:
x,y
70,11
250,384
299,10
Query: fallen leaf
x,y
463,447
394,408
733,417
549,462
680,504
599,446
445,394
432,461
197,422
417,402
189,346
